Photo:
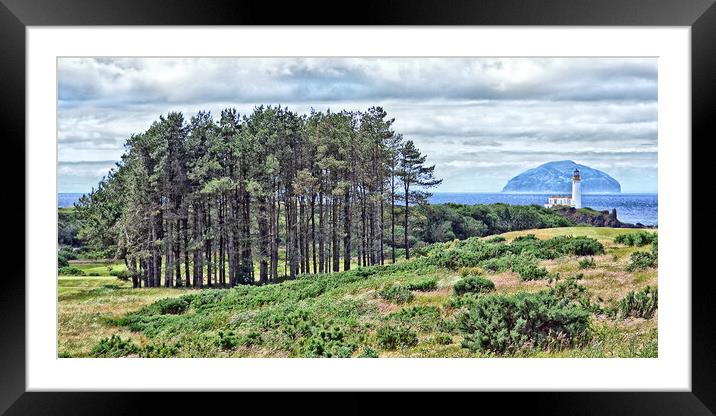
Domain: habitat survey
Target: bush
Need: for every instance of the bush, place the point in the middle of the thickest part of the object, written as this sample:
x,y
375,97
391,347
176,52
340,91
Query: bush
x,y
638,239
641,260
390,337
397,294
252,338
227,340
506,324
473,284
123,275
496,239
159,351
584,246
169,306
327,341
526,267
368,352
114,346
62,261
70,271
443,339
67,253
587,263
94,274
641,304
423,285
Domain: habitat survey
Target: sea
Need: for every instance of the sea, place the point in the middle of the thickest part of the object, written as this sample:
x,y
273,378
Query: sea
x,y
631,208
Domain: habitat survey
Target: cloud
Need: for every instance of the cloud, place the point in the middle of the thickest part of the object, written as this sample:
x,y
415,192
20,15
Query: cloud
x,y
480,120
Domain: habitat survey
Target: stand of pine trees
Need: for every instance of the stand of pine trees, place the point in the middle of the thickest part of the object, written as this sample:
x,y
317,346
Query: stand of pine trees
x,y
203,203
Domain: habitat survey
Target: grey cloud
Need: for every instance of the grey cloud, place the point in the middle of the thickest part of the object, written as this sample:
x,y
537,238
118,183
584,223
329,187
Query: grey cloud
x,y
481,121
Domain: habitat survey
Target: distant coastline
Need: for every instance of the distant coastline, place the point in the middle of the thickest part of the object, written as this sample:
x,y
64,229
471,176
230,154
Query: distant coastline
x,y
631,207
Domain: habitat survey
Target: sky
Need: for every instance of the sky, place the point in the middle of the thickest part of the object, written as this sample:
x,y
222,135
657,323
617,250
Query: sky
x,y
481,121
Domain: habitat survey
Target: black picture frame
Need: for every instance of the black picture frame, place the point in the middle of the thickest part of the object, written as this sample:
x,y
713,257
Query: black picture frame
x,y
16,15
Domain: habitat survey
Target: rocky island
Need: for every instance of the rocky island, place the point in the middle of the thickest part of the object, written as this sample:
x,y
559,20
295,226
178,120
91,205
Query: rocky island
x,y
555,177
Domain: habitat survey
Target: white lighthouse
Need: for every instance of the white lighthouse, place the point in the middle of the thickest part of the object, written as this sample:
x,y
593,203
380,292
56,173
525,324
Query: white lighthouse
x,y
576,189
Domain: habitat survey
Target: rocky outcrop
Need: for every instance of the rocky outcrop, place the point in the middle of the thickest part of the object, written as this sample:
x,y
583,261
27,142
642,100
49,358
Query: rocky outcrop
x,y
594,218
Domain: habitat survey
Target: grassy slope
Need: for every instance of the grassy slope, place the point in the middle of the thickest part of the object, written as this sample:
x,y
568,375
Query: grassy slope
x,y
87,306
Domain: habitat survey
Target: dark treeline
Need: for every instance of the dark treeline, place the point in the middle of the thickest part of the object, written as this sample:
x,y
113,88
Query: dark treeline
x,y
205,202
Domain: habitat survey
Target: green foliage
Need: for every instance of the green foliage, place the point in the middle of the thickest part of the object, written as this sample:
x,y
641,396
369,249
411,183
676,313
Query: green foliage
x,y
640,304
162,350
473,284
640,260
390,337
396,293
68,228
446,222
62,261
475,252
227,340
328,341
422,317
423,285
527,268
166,306
501,324
443,339
368,352
70,271
123,275
637,239
587,263
114,346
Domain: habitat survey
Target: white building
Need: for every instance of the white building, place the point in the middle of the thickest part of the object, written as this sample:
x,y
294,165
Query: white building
x,y
565,200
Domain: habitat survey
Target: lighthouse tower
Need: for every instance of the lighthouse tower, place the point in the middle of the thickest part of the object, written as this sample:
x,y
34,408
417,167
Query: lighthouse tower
x,y
576,190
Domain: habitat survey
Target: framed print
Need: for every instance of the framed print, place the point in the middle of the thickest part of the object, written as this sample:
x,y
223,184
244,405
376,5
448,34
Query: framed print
x,y
471,195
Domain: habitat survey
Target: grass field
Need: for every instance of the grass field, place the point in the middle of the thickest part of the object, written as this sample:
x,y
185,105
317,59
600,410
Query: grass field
x,y
341,314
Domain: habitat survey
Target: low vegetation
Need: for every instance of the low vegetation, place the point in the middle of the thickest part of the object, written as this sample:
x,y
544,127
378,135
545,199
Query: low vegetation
x,y
638,239
465,298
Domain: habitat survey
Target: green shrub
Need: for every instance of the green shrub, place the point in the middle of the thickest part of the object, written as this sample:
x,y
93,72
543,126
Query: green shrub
x,y
251,338
638,239
227,340
390,337
68,253
499,264
123,275
505,324
443,339
584,246
62,261
640,304
473,284
423,285
496,239
171,306
641,260
587,263
159,351
70,271
328,341
368,352
397,294
525,265
114,346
